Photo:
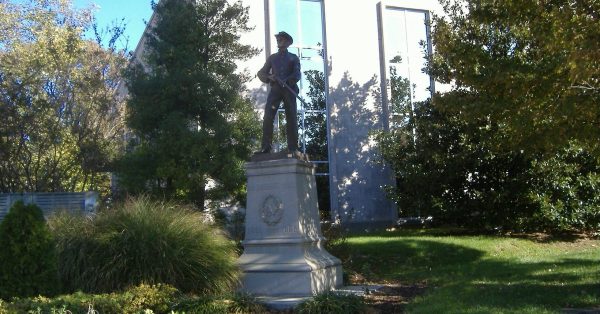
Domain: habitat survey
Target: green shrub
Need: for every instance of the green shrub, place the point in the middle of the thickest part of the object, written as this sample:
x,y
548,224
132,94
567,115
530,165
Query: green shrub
x,y
143,241
450,169
140,299
75,303
157,298
28,263
332,303
566,188
204,305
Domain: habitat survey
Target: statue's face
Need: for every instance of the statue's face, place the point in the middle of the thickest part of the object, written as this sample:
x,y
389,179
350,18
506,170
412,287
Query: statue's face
x,y
282,42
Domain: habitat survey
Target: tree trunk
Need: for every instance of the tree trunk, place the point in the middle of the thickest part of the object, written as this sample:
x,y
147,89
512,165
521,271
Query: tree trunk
x,y
198,194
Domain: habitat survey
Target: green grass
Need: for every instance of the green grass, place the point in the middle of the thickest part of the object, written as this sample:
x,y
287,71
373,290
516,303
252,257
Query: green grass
x,y
482,274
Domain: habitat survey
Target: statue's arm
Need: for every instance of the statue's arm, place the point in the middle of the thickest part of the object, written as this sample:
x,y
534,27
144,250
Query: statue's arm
x,y
264,73
294,77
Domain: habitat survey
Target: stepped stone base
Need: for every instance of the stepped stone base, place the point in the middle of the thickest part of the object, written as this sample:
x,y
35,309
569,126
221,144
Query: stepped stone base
x,y
283,252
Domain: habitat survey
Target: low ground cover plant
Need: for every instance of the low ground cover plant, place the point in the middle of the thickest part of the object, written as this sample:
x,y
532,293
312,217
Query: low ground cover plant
x,y
157,298
333,303
143,241
139,299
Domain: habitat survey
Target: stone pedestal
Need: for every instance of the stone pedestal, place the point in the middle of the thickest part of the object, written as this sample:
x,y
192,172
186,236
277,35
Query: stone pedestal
x,y
283,252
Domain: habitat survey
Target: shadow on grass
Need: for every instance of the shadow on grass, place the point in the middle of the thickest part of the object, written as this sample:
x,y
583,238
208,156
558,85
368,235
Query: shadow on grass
x,y
467,280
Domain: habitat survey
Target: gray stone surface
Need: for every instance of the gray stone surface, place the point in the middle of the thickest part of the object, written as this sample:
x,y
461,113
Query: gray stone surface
x,y
279,155
284,303
360,290
283,253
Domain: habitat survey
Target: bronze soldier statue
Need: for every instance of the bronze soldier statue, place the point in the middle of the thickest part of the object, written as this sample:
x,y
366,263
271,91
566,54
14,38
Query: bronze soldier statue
x,y
282,72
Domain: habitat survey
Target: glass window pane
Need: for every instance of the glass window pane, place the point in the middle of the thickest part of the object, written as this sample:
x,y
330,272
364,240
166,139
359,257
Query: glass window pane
x,y
416,54
311,24
395,41
286,19
312,86
315,136
405,51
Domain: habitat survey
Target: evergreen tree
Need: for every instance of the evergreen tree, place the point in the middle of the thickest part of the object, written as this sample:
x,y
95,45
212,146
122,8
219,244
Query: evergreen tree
x,y
193,129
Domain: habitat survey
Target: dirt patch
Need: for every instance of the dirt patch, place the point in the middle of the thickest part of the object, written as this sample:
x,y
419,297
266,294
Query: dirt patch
x,y
393,298
541,237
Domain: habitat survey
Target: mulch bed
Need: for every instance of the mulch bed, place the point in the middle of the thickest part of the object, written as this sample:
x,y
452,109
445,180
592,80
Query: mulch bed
x,y
393,298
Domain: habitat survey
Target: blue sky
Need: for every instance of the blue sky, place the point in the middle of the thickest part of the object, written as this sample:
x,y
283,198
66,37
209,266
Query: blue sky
x,y
135,13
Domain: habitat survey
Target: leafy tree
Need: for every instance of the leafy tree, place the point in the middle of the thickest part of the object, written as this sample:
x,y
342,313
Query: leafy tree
x,y
28,256
60,117
530,66
192,129
447,167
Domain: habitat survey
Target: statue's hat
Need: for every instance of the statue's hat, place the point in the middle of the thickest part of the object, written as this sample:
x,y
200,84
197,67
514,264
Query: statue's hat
x,y
285,35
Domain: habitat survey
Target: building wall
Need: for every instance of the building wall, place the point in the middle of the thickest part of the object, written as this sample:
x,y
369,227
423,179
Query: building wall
x,y
356,101
356,98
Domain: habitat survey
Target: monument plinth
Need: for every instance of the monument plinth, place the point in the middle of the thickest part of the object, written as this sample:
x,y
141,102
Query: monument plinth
x,y
283,252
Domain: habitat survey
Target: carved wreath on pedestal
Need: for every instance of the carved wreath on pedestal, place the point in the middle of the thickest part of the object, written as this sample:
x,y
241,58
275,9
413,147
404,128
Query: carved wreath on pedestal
x,y
272,210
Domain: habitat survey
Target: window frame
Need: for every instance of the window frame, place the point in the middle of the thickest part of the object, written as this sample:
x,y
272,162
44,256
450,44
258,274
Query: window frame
x,y
296,49
382,8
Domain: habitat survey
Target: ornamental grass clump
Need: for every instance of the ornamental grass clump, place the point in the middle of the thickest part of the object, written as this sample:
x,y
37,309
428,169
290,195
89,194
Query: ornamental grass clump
x,y
143,241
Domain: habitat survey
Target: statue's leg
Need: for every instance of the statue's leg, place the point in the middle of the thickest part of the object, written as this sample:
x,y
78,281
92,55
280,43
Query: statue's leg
x,y
273,101
291,116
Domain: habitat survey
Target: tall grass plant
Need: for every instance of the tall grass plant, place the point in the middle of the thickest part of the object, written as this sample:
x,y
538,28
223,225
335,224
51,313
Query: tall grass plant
x,y
143,241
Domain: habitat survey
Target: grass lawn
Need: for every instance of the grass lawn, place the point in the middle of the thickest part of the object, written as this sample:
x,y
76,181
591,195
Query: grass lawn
x,y
481,274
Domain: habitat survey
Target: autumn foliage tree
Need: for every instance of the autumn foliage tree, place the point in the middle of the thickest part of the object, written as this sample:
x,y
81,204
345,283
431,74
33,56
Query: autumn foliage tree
x,y
530,66
60,116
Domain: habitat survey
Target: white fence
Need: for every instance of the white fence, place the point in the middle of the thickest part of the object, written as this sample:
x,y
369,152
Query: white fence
x,y
83,202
